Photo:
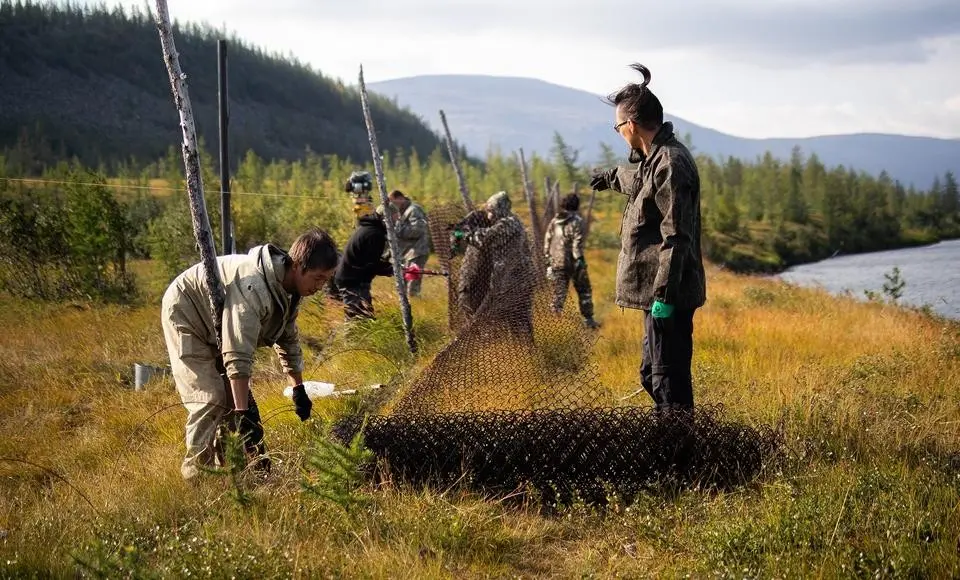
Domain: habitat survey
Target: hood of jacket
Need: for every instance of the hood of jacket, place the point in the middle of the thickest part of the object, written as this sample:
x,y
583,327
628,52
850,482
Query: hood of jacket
x,y
499,205
372,220
273,262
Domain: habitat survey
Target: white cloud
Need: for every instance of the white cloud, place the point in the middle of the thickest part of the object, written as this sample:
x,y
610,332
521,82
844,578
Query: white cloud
x,y
749,67
814,30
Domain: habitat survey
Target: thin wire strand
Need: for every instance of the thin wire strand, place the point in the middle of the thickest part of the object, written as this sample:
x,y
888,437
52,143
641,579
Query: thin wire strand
x,y
31,181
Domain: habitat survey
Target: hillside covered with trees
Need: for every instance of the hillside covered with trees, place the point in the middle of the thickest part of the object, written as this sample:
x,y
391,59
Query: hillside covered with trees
x,y
90,83
72,232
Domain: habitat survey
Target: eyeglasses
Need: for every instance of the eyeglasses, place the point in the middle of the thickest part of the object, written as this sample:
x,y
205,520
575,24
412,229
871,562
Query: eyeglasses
x,y
616,128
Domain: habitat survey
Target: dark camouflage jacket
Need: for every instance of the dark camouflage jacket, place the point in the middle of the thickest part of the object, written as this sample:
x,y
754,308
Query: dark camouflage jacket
x,y
497,273
413,235
660,257
563,241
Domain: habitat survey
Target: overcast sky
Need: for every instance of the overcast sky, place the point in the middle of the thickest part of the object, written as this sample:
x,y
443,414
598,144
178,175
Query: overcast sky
x,y
752,68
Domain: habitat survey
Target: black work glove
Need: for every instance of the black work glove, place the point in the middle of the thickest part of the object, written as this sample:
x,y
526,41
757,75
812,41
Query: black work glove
x,y
600,180
302,402
245,423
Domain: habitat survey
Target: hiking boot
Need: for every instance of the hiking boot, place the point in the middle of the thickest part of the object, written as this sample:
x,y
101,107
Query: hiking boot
x,y
591,323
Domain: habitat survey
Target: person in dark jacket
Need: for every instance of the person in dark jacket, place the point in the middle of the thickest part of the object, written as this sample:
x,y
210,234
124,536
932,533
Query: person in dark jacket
x,y
363,259
660,268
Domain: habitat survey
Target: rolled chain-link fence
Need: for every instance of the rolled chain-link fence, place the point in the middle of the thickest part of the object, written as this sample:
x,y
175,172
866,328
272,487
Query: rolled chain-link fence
x,y
514,401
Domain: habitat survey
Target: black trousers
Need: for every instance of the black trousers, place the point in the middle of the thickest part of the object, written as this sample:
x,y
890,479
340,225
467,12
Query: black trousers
x,y
667,357
581,283
357,301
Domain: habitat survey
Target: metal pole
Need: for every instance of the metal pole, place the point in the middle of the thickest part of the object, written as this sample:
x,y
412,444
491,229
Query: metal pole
x,y
461,181
391,231
226,229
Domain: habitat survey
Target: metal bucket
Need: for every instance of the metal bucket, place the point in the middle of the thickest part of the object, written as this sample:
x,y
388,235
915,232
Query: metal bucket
x,y
143,373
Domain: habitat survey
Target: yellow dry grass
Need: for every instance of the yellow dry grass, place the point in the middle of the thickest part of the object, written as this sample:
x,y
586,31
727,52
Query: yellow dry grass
x,y
868,393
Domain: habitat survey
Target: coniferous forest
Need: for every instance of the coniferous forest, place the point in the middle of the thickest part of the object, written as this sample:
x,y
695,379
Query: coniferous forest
x,y
296,136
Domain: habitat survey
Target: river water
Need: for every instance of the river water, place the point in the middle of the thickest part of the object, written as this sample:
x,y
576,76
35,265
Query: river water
x,y
931,273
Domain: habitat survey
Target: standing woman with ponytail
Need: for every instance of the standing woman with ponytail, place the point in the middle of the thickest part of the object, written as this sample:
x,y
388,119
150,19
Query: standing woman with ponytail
x,y
660,268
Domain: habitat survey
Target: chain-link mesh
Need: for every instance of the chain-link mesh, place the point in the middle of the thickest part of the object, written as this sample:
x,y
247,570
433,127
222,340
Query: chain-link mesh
x,y
514,399
510,351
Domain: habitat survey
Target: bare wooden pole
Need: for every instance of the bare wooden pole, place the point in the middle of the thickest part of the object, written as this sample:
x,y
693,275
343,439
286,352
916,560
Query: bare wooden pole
x,y
191,160
391,230
467,204
455,160
534,216
589,220
548,209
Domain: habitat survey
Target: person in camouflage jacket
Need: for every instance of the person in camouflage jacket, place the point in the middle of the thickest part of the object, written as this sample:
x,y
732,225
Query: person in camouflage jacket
x,y
660,267
413,235
497,276
563,253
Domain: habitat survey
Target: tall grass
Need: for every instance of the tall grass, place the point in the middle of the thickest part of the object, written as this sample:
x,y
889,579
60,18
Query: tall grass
x,y
868,395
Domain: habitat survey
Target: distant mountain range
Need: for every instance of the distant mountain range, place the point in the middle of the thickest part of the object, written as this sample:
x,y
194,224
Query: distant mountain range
x,y
510,112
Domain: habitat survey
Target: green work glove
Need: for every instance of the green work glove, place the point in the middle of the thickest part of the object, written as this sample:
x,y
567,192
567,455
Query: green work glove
x,y
661,310
459,234
581,263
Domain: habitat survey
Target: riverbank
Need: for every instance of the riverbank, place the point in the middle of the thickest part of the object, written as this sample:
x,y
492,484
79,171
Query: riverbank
x,y
762,250
867,395
925,277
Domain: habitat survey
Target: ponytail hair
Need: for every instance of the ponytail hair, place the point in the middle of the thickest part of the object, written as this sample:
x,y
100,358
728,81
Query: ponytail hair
x,y
639,103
